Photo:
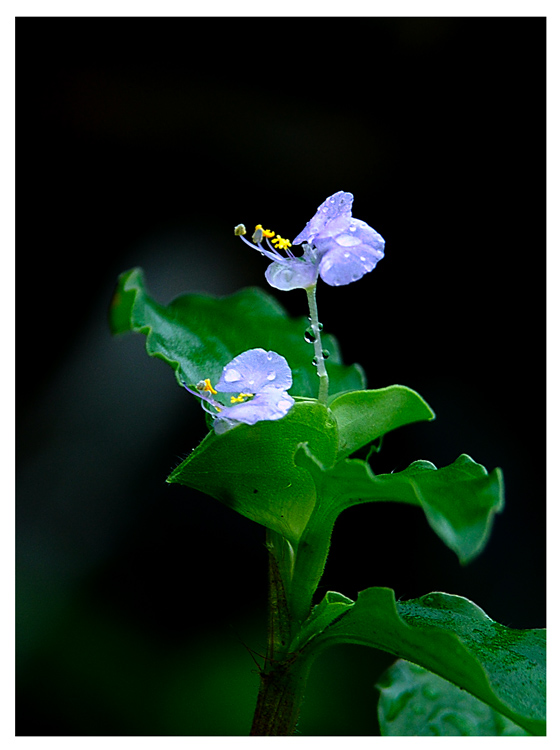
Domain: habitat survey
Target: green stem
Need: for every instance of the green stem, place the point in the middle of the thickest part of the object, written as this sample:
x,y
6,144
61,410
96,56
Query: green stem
x,y
318,348
280,697
284,674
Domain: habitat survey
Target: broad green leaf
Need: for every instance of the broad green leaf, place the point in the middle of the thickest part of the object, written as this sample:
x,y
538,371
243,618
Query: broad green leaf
x,y
363,416
453,638
417,703
459,500
251,467
198,335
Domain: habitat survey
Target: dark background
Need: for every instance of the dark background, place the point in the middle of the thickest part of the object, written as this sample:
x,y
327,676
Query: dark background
x,y
143,142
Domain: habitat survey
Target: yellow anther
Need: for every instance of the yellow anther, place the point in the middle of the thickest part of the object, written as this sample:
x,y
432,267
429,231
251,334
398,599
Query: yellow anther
x,y
259,233
207,386
239,230
240,398
281,243
265,232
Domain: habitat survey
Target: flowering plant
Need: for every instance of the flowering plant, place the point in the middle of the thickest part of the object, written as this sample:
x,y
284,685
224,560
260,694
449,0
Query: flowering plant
x,y
292,467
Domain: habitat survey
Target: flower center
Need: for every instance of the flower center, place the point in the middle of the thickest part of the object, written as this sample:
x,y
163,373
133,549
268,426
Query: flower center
x,y
241,398
260,234
206,385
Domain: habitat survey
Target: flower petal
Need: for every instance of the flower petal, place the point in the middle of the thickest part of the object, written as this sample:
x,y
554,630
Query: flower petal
x,y
337,207
254,371
342,265
291,273
269,405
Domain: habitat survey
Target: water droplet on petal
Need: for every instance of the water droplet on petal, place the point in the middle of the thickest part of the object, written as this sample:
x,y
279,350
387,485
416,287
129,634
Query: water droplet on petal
x,y
271,375
232,376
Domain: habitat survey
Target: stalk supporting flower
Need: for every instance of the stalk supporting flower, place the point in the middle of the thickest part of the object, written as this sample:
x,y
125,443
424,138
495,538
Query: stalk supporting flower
x,y
260,379
319,358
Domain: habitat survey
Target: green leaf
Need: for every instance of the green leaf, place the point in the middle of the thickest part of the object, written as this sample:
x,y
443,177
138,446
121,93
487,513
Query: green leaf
x,y
459,500
198,335
332,606
455,639
417,703
251,467
363,416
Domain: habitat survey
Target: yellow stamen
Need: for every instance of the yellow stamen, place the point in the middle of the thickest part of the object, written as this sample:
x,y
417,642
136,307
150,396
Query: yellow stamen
x,y
239,230
208,386
240,398
281,243
265,232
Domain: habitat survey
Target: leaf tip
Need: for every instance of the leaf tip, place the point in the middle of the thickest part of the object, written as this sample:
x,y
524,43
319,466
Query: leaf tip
x,y
129,283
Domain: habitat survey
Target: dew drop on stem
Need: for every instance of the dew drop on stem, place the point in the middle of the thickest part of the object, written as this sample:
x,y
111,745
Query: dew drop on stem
x,y
310,335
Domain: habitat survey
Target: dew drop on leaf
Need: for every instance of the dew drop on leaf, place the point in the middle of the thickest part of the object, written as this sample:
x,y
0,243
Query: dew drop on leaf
x,y
430,692
398,704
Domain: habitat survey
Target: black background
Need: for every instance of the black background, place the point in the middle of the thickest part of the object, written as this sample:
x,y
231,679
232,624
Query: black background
x,y
143,142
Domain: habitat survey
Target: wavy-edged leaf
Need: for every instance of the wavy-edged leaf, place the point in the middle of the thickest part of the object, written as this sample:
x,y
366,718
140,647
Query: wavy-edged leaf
x,y
198,334
251,467
363,416
459,500
417,703
453,638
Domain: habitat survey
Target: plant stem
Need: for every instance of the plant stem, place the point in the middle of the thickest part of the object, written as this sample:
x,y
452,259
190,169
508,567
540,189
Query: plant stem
x,y
317,346
280,697
284,674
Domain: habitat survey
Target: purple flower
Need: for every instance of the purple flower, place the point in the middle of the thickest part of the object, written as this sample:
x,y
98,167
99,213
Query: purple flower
x,y
336,247
346,248
260,379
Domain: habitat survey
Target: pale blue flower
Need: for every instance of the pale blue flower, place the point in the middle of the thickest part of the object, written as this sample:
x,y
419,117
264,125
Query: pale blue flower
x,y
336,247
346,248
260,379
